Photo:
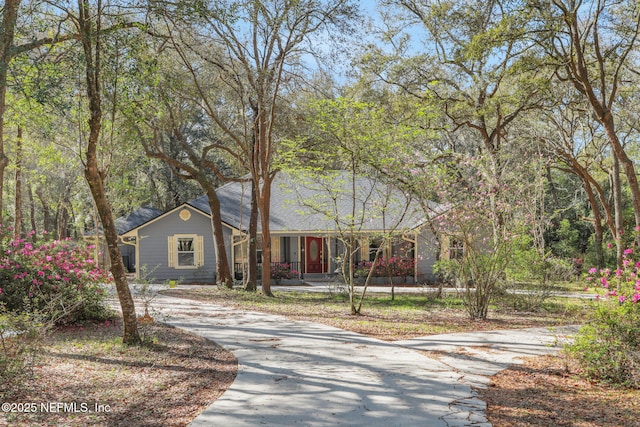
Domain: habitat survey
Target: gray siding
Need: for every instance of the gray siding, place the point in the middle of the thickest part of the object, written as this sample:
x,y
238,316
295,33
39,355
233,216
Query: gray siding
x,y
128,253
154,247
427,251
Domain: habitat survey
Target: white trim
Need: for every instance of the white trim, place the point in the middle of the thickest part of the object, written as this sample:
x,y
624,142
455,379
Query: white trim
x,y
173,251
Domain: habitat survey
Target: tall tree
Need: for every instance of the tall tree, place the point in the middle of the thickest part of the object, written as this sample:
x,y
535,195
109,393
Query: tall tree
x,y
345,156
594,45
573,140
88,24
475,62
257,50
7,33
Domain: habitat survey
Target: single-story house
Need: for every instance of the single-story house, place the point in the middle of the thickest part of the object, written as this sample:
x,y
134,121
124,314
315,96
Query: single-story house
x,y
310,220
124,224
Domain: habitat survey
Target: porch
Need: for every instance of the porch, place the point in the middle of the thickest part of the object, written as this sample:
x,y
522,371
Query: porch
x,y
317,257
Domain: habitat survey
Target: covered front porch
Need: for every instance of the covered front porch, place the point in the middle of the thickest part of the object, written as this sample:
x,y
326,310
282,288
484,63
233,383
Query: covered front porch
x,y
316,257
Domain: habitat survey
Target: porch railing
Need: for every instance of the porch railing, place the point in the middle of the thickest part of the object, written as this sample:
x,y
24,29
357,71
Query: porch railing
x,y
240,267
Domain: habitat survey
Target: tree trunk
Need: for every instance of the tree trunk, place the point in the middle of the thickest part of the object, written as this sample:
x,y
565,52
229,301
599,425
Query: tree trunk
x,y
252,258
627,164
94,176
17,226
597,225
46,211
32,209
223,273
62,217
264,205
618,213
7,31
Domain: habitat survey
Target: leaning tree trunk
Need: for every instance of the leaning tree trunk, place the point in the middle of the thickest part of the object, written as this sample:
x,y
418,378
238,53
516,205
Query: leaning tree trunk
x,y
94,179
629,168
94,176
597,225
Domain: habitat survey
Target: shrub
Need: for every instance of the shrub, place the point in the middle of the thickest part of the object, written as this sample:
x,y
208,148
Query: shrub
x,y
608,348
20,338
282,270
58,279
387,267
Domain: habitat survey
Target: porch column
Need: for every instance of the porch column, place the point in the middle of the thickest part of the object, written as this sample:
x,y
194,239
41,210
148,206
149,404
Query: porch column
x,y
328,242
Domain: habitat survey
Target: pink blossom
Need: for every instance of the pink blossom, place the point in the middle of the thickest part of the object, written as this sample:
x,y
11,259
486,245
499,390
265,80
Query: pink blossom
x,y
604,282
621,298
628,251
636,297
609,246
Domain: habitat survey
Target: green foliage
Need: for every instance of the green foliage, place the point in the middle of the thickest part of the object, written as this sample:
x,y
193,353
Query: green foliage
x,y
531,276
479,274
20,338
608,347
568,241
58,279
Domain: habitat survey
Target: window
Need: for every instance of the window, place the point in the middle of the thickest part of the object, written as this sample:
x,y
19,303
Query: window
x,y
186,251
374,245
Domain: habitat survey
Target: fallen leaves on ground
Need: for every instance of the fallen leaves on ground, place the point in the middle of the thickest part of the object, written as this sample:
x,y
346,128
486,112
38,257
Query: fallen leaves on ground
x,y
85,376
545,391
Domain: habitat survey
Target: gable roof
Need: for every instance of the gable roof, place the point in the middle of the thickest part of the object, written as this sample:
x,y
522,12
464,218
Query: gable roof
x,y
136,218
310,204
314,204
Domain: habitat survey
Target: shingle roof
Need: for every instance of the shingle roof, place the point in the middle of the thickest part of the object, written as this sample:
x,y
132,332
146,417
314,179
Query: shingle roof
x,y
313,205
136,219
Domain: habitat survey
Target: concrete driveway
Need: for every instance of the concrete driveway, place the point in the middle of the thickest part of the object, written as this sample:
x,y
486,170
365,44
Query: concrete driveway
x,y
302,373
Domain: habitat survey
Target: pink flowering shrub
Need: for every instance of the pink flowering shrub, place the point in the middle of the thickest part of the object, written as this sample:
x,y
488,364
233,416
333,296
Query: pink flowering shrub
x,y
387,267
283,270
619,285
608,348
57,279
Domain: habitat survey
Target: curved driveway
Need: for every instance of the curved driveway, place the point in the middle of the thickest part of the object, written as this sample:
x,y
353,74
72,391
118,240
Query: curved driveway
x,y
308,374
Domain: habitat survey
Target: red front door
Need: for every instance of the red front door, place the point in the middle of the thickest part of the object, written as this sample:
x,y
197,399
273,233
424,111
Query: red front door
x,y
315,255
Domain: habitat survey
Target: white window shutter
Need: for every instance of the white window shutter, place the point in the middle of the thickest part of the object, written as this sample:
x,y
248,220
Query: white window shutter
x,y
364,249
199,251
171,251
275,249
